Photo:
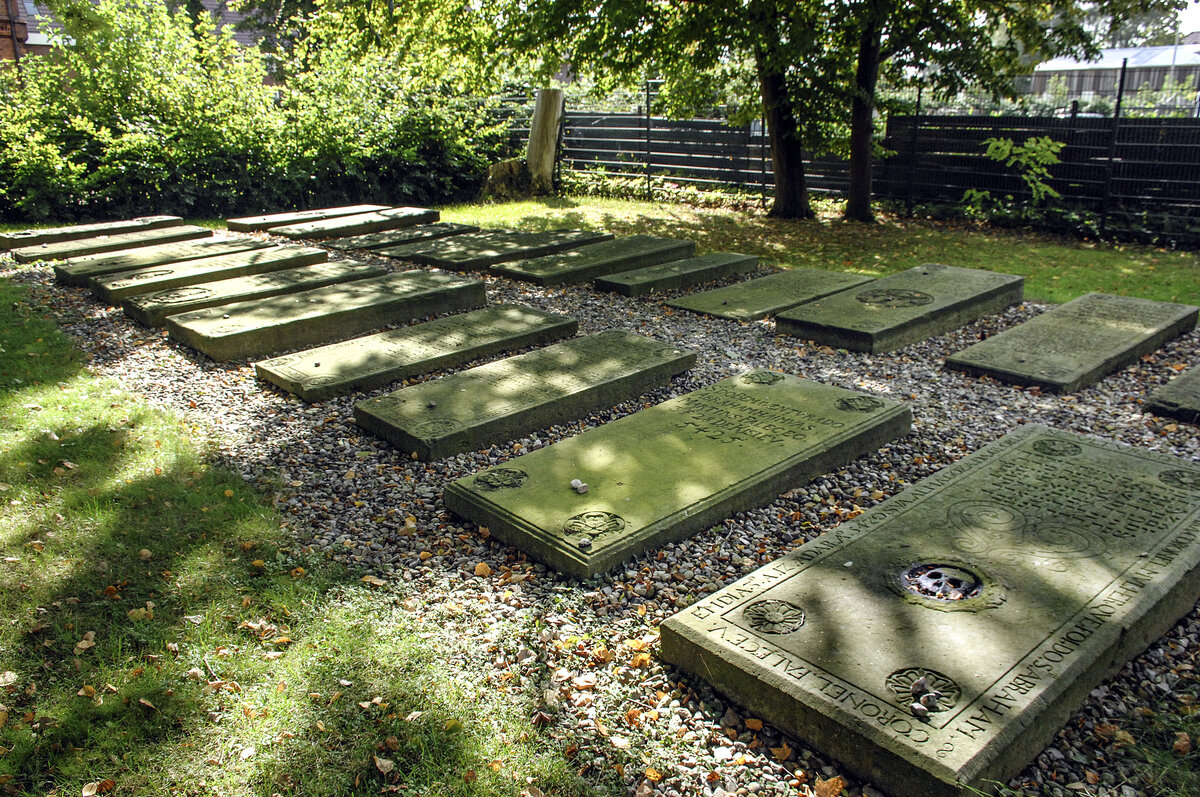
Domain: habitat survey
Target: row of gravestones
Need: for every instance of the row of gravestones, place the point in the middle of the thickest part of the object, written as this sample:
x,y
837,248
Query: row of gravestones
x,y
934,643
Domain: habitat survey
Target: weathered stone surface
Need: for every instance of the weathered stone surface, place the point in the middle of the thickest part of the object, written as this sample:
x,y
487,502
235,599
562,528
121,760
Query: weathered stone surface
x,y
359,224
152,309
480,250
759,298
504,399
904,308
109,243
1076,344
674,469
50,235
376,360
1067,555
594,260
80,270
260,223
677,274
114,287
422,232
265,326
1179,398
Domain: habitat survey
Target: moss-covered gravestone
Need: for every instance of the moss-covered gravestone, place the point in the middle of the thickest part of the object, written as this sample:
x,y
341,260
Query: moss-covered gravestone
x,y
1179,398
500,400
259,223
677,274
49,235
759,298
407,235
375,360
335,312
669,471
1076,344
99,244
940,639
594,260
476,251
81,270
358,224
903,308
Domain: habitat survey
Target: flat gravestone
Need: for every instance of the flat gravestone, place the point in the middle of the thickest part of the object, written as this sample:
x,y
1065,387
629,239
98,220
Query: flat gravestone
x,y
265,326
476,251
508,398
422,232
677,468
1011,583
1179,398
79,270
109,243
677,274
50,235
379,359
904,308
260,223
1076,344
759,298
595,260
114,287
152,309
358,224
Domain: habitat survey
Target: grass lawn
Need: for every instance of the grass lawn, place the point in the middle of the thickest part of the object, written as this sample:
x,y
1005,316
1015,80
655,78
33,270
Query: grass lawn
x,y
162,637
1055,269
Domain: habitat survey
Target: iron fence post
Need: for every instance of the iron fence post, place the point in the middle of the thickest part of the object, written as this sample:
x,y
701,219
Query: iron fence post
x,y
1112,150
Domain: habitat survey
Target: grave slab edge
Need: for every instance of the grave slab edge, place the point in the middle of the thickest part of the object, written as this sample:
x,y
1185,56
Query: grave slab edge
x,y
895,422
632,283
16,239
58,251
899,769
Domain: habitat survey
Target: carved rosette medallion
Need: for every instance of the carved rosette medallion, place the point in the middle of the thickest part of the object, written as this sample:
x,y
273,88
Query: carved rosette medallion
x,y
773,617
1057,448
1187,479
319,381
859,404
180,295
594,524
437,427
761,377
886,297
501,479
900,684
227,329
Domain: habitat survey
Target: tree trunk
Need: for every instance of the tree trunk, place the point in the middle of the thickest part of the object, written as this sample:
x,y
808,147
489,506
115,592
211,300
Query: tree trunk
x,y
862,115
787,157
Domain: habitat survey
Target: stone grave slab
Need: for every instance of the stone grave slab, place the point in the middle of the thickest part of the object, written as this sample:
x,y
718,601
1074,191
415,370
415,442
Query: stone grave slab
x,y
379,359
475,251
114,287
265,326
81,270
1010,582
764,296
152,309
677,274
903,308
50,235
675,469
507,398
1076,344
409,235
1179,398
109,243
595,260
260,223
358,224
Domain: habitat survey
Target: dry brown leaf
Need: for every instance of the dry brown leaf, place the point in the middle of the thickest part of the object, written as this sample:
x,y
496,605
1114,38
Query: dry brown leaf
x,y
640,660
483,570
299,572
469,776
87,691
754,724
782,753
384,765
653,774
829,788
635,644
633,717
143,701
495,765
374,581
1183,743
7,678
88,641
1092,777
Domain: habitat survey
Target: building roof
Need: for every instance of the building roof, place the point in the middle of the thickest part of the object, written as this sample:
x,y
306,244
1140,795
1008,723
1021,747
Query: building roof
x,y
1139,57
42,23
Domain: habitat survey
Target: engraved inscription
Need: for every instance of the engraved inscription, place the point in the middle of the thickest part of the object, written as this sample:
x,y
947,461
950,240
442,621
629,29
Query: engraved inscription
x,y
144,275
728,414
437,427
894,297
1187,479
501,479
1057,448
859,404
773,617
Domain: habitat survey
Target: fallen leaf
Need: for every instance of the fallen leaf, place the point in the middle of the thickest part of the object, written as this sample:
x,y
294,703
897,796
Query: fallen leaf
x,y
374,581
1183,743
87,691
147,704
782,753
145,555
754,724
653,774
829,788
640,660
88,641
483,570
247,753
469,776
452,725
298,572
633,716
7,678
384,765
1092,777
620,742
229,493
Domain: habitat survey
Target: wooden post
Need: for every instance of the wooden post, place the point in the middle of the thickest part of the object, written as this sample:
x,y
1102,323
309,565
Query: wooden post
x,y
543,140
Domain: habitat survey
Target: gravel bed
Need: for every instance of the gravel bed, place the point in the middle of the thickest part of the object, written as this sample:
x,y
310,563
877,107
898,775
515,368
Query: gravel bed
x,y
574,649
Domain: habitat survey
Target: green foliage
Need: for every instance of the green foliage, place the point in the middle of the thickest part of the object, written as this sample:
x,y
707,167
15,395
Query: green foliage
x,y
146,110
1032,160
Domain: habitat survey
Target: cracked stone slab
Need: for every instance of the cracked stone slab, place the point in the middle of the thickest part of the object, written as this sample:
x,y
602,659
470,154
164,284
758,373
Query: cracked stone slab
x,y
903,308
1076,344
63,250
385,357
335,312
669,471
114,287
260,223
764,296
677,274
595,260
50,235
507,398
1010,583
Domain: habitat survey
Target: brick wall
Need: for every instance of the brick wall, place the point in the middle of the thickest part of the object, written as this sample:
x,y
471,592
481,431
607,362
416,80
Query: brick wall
x,y
11,22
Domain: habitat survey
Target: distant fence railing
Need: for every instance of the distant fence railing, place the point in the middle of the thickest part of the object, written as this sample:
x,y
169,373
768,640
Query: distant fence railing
x,y
1137,177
